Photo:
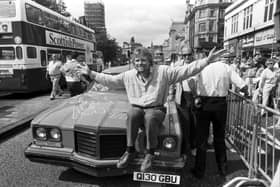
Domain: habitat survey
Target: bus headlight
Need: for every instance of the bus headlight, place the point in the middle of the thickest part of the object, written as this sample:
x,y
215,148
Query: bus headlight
x,y
55,134
169,143
41,133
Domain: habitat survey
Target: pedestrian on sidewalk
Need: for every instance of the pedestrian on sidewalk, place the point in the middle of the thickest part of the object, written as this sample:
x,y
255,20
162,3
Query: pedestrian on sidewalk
x,y
147,88
69,69
213,84
53,70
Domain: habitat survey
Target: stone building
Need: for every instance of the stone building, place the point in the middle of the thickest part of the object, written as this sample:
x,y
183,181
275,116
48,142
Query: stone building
x,y
249,27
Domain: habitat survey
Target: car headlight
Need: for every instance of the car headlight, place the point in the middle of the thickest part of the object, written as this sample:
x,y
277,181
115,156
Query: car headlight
x,y
41,133
169,143
55,134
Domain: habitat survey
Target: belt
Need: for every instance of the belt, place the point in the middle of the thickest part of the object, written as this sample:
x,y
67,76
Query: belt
x,y
210,97
148,107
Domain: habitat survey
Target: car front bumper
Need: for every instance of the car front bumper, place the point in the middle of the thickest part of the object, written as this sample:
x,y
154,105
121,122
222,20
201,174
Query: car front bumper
x,y
100,168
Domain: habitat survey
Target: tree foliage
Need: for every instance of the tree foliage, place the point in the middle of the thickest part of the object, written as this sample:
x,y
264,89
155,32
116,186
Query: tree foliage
x,y
108,46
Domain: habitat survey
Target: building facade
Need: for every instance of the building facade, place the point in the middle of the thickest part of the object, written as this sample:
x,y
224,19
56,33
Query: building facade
x,y
277,21
249,27
176,36
205,22
95,16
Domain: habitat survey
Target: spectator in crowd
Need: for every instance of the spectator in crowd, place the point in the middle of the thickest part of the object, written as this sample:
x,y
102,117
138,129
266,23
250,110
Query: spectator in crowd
x,y
100,64
184,98
249,75
147,87
86,84
69,69
53,71
235,65
268,82
213,84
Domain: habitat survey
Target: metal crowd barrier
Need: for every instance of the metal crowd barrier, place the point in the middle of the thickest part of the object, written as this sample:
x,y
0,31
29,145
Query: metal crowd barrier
x,y
255,137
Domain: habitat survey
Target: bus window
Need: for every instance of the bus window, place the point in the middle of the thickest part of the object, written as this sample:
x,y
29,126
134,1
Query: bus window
x,y
31,52
7,53
43,58
19,52
7,9
33,14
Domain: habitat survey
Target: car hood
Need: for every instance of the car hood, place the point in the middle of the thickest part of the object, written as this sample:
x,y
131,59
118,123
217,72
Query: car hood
x,y
92,110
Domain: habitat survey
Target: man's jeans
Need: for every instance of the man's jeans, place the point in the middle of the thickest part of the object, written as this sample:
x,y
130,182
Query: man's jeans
x,y
151,118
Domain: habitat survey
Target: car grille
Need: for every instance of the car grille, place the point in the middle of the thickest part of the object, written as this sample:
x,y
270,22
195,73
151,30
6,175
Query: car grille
x,y
85,143
89,143
112,146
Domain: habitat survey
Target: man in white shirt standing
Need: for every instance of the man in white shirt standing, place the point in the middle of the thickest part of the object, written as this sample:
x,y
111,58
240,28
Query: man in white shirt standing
x,y
54,72
213,84
147,88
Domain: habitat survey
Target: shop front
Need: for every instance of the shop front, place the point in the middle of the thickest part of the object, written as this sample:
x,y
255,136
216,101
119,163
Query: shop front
x,y
265,42
247,46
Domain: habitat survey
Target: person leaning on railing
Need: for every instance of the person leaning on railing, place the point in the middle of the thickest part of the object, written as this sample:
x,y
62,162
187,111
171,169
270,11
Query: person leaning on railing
x,y
147,88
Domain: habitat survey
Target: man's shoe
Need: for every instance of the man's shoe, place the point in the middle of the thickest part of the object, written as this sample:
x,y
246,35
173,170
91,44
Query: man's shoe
x,y
125,159
147,163
196,174
51,98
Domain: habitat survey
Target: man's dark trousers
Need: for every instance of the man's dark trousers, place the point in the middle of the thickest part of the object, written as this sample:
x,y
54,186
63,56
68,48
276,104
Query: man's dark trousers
x,y
214,110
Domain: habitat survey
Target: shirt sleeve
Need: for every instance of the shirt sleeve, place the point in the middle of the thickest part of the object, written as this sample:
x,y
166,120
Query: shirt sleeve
x,y
116,81
262,79
236,79
180,73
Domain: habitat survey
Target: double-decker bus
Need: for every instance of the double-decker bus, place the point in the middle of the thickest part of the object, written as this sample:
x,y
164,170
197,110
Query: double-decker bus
x,y
29,34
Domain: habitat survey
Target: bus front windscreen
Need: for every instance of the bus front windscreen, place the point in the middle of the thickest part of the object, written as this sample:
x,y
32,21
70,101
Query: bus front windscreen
x,y
7,9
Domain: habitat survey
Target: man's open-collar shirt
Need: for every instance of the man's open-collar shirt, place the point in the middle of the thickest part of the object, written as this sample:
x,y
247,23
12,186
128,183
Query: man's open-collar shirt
x,y
154,90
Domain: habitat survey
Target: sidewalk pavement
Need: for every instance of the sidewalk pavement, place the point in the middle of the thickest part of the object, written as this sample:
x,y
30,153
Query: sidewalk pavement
x,y
14,115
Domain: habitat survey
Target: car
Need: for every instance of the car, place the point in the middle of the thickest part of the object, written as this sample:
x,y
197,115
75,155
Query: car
x,y
88,133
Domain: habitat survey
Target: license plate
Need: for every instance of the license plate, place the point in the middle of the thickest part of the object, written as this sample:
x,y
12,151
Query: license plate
x,y
156,178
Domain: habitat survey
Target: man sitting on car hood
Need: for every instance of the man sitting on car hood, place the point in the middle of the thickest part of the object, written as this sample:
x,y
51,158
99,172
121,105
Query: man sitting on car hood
x,y
147,88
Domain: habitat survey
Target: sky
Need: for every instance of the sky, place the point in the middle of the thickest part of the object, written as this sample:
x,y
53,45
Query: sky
x,y
146,20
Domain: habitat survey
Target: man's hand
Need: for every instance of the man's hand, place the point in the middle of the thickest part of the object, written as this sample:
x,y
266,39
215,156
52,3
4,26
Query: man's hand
x,y
84,70
213,56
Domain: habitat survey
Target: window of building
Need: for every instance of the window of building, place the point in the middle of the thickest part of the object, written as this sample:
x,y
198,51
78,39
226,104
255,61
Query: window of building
x,y
202,27
211,25
222,13
268,10
201,39
210,39
212,13
31,52
202,13
248,15
234,23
